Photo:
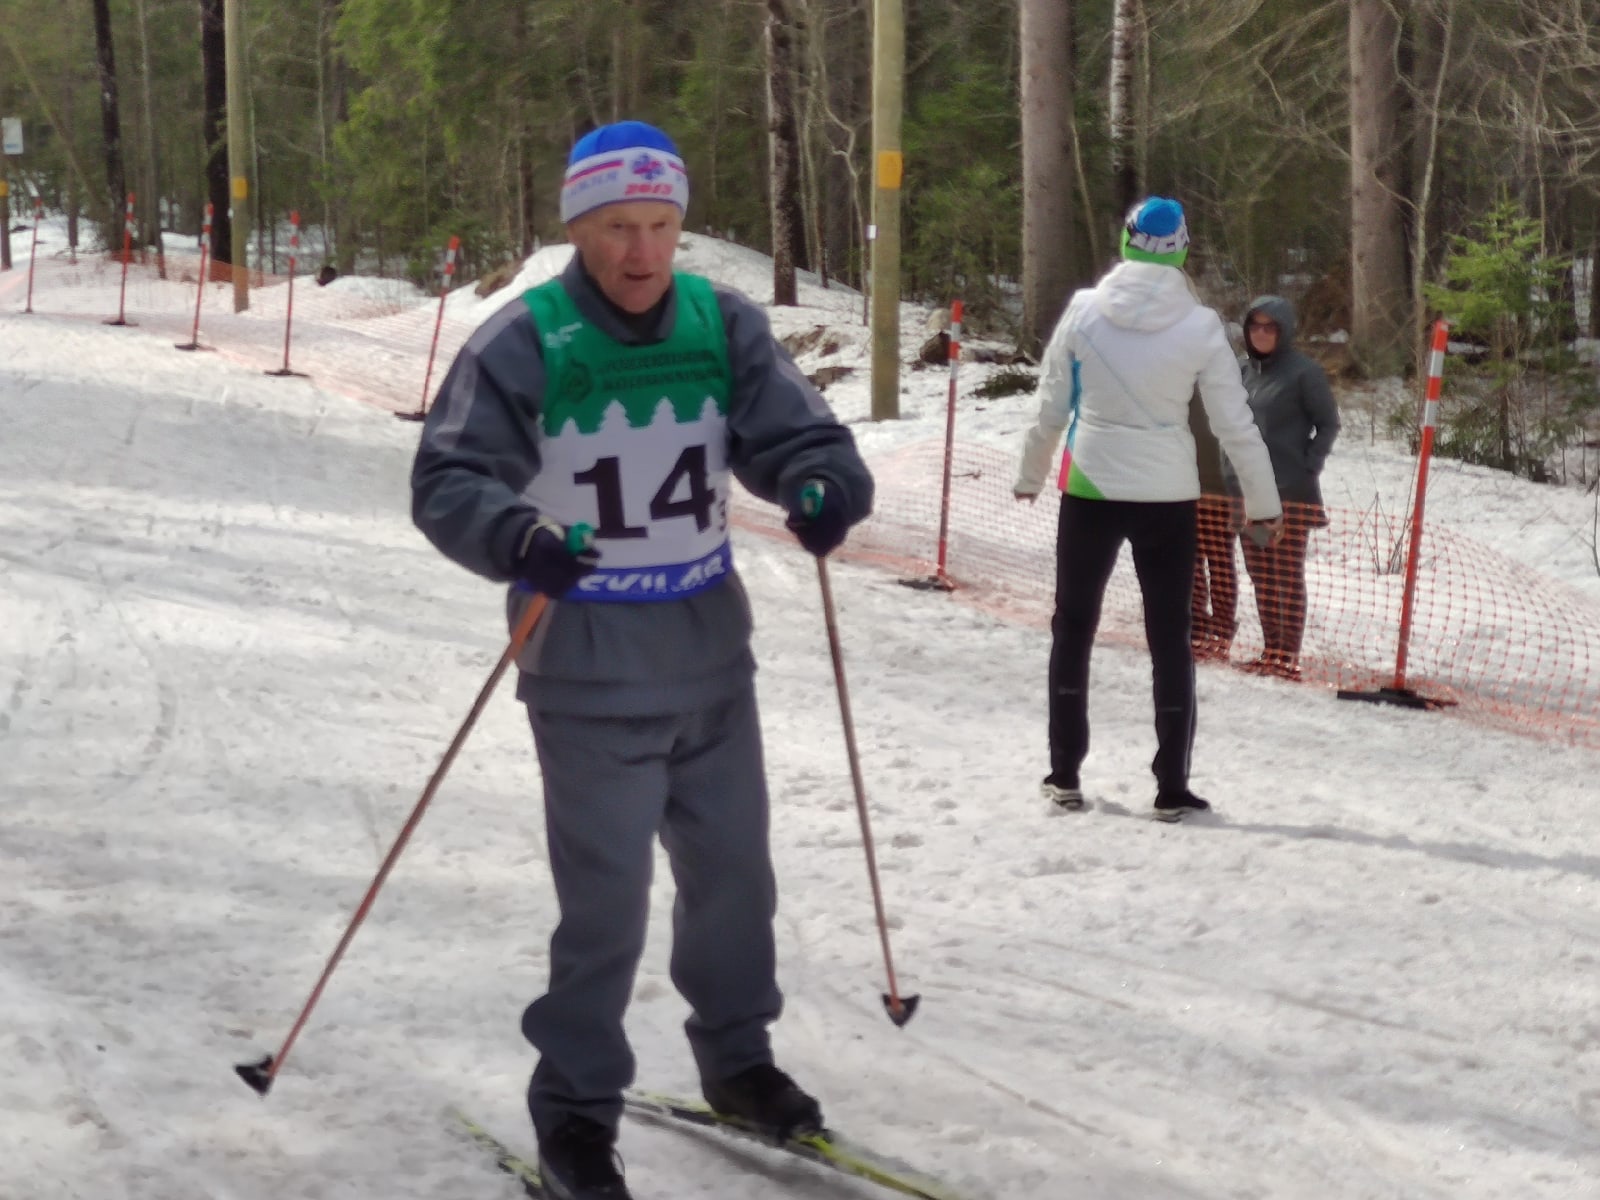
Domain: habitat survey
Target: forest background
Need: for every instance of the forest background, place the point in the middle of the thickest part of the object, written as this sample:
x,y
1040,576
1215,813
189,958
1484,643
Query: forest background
x,y
1380,163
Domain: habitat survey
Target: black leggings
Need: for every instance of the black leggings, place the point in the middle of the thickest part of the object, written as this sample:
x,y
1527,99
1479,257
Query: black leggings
x,y
1088,538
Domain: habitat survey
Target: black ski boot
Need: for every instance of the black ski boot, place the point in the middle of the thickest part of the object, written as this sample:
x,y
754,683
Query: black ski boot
x,y
578,1161
765,1098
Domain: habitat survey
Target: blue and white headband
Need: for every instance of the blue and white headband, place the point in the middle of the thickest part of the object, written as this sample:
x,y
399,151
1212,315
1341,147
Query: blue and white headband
x,y
626,161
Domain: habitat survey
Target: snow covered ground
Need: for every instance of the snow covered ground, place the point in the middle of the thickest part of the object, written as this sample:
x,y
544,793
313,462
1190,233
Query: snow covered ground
x,y
228,664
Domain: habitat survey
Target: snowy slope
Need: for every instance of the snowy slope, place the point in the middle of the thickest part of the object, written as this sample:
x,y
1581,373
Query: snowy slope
x,y
228,664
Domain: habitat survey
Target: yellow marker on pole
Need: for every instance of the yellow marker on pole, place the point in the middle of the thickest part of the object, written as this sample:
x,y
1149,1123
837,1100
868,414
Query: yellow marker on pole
x,y
891,166
888,102
241,187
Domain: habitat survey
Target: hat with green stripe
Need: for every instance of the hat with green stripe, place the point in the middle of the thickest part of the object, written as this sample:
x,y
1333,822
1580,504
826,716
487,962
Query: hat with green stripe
x,y
1156,233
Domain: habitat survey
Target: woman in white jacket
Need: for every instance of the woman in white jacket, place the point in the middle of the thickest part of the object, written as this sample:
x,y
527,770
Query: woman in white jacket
x,y
1118,376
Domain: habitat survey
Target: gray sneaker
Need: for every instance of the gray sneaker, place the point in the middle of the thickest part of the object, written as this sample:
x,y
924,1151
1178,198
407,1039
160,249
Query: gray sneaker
x,y
1061,799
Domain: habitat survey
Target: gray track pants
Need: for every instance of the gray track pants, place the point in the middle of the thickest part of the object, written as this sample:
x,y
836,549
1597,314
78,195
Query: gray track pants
x,y
611,784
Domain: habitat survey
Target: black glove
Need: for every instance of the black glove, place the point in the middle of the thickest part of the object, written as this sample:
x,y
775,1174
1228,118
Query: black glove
x,y
551,558
818,520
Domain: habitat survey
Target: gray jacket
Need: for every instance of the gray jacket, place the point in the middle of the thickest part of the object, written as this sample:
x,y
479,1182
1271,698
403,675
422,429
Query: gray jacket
x,y
480,450
1292,404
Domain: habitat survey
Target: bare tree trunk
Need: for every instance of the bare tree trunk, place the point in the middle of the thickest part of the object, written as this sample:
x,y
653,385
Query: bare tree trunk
x,y
813,134
1378,336
346,235
1047,230
150,232
528,214
838,74
327,13
1594,279
110,118
213,66
527,208
1125,52
1433,68
783,141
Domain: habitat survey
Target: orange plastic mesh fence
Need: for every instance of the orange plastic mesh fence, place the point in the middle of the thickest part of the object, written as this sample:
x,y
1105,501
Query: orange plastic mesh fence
x,y
1504,644
1490,635
368,344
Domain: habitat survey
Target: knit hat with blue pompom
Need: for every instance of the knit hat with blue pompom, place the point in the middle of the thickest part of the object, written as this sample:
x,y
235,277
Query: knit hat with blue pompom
x,y
1156,233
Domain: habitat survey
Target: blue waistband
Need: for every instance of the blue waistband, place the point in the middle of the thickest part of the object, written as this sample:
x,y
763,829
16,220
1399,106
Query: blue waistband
x,y
634,585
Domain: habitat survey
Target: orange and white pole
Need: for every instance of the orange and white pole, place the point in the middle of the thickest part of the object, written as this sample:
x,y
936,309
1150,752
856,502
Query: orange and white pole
x,y
205,248
438,324
1430,416
941,579
288,316
127,254
33,250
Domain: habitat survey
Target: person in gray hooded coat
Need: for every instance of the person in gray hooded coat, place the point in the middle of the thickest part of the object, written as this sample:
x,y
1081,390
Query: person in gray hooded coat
x,y
625,397
1295,410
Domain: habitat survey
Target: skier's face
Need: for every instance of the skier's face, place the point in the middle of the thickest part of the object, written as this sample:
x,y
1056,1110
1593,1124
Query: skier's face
x,y
627,249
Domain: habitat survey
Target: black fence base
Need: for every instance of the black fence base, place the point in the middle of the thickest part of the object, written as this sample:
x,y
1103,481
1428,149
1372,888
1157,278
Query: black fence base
x,y
1400,697
929,583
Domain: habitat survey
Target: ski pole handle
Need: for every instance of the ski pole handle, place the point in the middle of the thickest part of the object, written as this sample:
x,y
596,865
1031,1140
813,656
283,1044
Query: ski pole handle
x,y
580,538
811,498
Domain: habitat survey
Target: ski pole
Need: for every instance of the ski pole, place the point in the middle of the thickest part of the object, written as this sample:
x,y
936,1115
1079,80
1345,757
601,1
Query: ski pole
x,y
259,1075
898,1007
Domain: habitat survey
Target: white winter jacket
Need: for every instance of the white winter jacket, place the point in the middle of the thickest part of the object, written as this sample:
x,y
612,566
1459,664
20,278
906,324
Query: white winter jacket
x,y
1119,374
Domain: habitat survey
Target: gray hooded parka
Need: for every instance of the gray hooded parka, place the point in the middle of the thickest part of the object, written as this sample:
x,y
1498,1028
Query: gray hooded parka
x,y
1292,404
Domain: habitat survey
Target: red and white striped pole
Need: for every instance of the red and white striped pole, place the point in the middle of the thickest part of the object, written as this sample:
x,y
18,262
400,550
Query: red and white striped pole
x,y
288,317
1430,416
127,254
438,324
205,248
33,250
940,580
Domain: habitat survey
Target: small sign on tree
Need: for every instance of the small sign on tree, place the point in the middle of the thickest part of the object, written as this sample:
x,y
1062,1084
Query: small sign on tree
x,y
11,134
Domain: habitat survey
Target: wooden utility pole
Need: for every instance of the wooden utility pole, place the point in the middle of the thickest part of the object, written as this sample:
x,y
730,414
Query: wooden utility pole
x,y
888,93
238,151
